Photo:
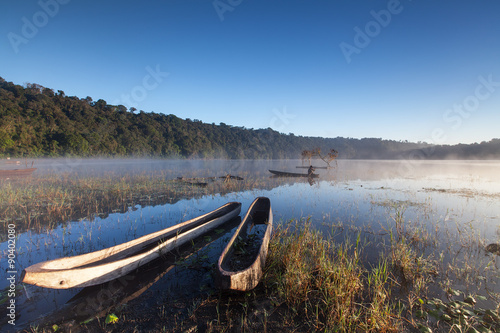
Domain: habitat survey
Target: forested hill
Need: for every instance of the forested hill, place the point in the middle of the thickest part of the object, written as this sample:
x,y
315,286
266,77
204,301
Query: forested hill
x,y
36,121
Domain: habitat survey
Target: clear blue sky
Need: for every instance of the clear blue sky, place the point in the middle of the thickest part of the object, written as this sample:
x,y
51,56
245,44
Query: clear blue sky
x,y
402,70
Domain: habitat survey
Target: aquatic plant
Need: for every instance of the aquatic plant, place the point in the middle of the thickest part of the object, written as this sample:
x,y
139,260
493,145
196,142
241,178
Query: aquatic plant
x,y
325,283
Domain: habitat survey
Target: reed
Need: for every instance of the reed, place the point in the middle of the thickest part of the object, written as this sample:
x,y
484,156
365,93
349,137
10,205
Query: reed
x,y
44,202
325,283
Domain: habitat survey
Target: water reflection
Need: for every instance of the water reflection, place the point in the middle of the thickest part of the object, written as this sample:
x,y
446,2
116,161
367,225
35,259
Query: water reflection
x,y
456,205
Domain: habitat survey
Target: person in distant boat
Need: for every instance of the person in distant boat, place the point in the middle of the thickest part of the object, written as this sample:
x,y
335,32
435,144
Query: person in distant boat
x,y
310,171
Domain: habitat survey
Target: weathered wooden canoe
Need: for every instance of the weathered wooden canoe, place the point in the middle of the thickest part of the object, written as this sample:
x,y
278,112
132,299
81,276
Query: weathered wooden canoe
x,y
292,174
108,264
16,172
242,261
132,285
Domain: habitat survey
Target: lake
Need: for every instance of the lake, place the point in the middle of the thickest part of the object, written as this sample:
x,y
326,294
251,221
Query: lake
x,y
451,207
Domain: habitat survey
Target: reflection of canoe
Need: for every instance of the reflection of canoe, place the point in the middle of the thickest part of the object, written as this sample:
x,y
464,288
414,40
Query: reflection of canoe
x,y
292,174
108,264
17,172
242,261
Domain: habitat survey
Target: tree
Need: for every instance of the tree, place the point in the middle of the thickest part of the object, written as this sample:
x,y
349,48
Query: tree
x,y
89,100
328,158
53,124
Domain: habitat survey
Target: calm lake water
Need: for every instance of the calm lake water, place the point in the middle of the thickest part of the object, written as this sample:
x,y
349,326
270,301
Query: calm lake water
x,y
457,203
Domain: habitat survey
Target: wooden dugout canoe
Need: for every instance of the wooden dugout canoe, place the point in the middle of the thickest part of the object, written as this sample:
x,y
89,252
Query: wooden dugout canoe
x,y
292,174
306,167
17,172
108,264
243,271
95,301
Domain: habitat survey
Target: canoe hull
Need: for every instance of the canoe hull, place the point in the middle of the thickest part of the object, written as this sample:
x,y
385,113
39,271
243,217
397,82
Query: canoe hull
x,y
108,264
247,278
17,172
292,174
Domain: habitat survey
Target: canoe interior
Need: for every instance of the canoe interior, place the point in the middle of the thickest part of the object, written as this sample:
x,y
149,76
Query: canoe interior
x,y
242,261
246,247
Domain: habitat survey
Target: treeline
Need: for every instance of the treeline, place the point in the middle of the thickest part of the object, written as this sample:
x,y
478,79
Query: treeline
x,y
36,121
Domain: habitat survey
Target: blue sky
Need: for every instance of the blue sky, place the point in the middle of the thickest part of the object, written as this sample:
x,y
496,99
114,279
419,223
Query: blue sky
x,y
401,70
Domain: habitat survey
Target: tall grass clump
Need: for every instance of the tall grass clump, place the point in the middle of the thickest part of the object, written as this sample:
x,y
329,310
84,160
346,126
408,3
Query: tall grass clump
x,y
326,285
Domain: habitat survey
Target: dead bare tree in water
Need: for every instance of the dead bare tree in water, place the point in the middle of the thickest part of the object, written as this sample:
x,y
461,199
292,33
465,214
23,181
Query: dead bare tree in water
x,y
307,154
328,158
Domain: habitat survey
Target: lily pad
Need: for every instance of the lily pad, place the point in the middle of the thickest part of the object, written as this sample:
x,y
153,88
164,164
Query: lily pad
x,y
493,248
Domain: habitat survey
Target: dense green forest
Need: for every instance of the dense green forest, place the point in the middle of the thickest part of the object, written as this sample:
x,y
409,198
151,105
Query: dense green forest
x,y
35,121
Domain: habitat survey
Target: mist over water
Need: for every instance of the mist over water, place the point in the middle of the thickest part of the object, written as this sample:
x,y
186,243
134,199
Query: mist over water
x,y
448,196
483,170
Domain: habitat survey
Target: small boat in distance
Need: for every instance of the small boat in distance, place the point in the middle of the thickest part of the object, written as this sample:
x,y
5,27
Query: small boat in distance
x,y
307,167
16,172
292,174
241,264
116,261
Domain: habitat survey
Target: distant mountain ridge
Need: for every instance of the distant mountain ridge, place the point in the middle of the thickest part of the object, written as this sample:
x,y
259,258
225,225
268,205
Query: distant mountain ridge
x,y
35,121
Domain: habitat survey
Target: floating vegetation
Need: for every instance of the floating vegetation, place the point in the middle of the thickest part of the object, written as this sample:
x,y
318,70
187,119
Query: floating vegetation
x,y
493,248
465,192
111,319
396,203
459,315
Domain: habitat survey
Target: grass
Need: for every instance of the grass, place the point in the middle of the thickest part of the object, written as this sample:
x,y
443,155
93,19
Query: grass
x,y
326,283
45,202
312,283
